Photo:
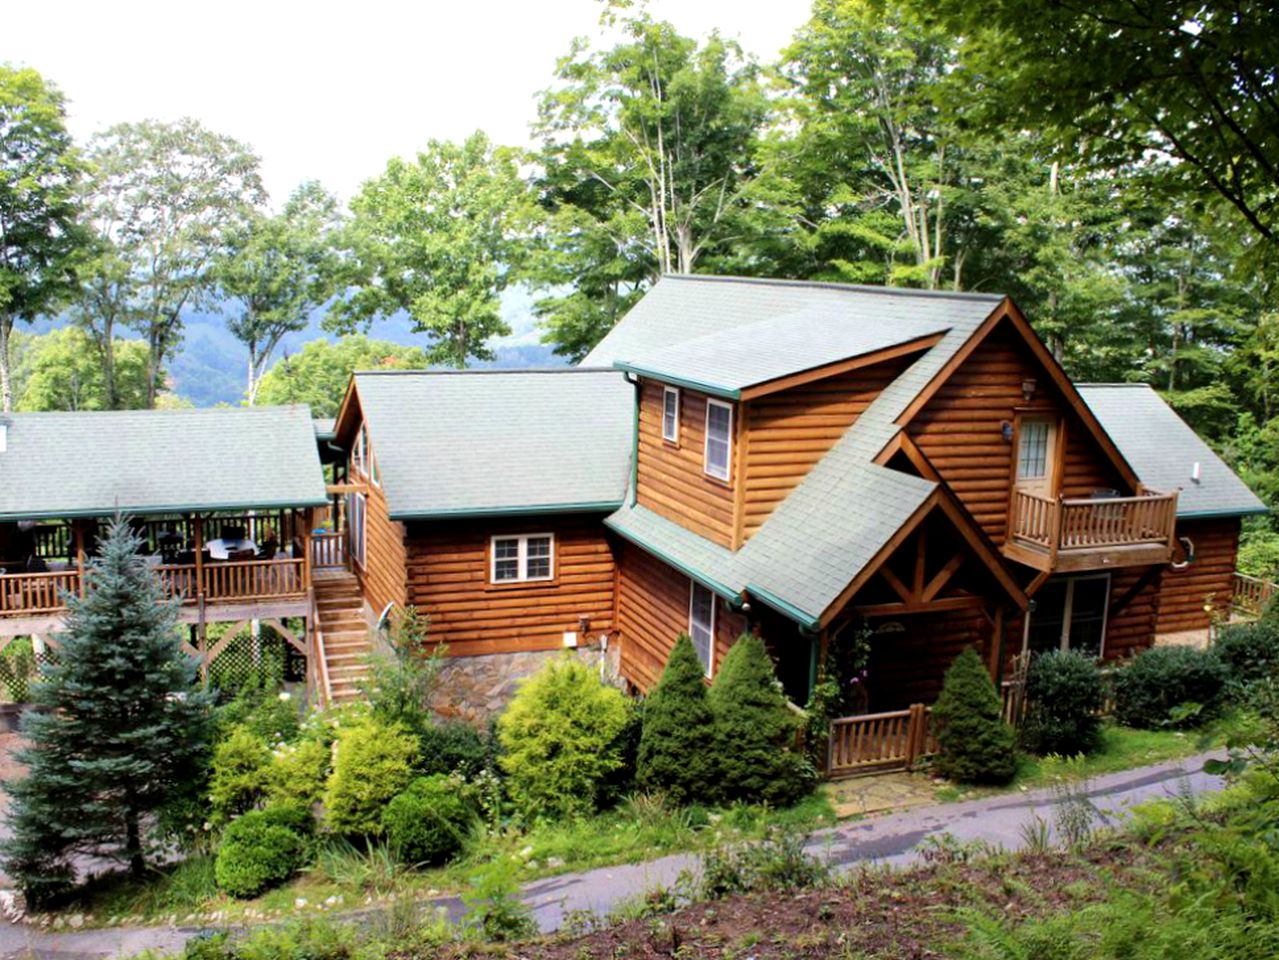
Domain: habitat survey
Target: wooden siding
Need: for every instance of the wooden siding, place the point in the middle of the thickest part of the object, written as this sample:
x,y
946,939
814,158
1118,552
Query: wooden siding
x,y
382,576
908,667
1208,581
788,432
1132,629
653,612
671,480
448,579
959,430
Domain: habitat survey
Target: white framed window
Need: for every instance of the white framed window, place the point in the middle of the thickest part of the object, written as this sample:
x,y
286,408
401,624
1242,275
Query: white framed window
x,y
374,475
359,456
718,461
356,507
523,558
701,623
1070,614
670,414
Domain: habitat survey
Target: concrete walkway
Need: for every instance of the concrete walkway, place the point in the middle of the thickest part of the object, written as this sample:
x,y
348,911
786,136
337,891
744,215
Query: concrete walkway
x,y
894,840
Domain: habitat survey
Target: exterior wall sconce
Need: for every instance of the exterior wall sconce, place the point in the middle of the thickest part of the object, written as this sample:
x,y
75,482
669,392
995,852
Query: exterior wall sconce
x,y
1028,387
1006,431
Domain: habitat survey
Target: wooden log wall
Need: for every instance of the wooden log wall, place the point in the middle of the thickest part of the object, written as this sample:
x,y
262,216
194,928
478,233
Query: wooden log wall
x,y
448,579
959,430
382,576
1132,629
788,432
1209,580
653,612
671,479
908,667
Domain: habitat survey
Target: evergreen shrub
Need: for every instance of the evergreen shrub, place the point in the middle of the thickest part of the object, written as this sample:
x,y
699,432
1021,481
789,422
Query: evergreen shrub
x,y
1171,686
241,765
1250,651
677,741
428,823
558,738
977,746
1064,695
452,747
755,730
372,762
260,850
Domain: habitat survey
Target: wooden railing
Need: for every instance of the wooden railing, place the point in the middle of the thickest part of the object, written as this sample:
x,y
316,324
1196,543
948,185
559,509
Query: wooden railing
x,y
328,550
1252,594
1061,525
317,659
880,741
27,594
54,541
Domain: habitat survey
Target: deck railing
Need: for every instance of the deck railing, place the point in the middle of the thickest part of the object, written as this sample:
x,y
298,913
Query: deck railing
x,y
328,550
1252,594
33,594
1061,525
894,740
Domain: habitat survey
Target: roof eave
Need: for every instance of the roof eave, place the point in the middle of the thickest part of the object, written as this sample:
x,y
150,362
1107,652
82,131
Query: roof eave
x,y
710,583
602,506
151,509
788,610
1223,512
714,389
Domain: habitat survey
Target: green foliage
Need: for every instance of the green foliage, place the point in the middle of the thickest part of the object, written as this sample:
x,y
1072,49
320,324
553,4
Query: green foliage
x,y
62,370
755,730
261,706
259,850
494,909
298,774
840,690
1064,695
1250,651
240,772
1170,686
434,237
372,762
453,746
400,684
776,863
977,746
677,742
429,822
558,738
317,375
119,727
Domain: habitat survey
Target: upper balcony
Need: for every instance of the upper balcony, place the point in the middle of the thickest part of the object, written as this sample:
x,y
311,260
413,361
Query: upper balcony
x,y
1062,535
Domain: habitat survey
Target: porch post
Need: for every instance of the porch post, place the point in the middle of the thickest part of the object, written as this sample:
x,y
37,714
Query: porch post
x,y
997,648
307,518
77,531
201,632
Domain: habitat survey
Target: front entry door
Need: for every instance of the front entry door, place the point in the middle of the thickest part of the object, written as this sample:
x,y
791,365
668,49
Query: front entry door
x,y
1036,454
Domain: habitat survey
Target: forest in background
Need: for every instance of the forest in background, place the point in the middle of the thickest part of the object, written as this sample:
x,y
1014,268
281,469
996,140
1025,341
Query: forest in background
x,y
1112,165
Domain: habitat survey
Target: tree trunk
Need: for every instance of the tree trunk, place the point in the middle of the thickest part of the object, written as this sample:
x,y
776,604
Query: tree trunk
x,y
133,841
6,381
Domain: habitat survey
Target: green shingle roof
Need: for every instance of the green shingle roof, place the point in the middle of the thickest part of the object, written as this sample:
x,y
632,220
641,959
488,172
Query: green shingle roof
x,y
158,461
493,442
1163,449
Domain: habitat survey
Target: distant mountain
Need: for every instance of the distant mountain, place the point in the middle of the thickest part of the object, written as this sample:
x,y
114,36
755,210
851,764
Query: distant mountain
x,y
210,369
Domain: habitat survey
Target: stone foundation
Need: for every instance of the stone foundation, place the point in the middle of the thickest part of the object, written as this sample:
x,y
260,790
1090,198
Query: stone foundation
x,y
476,689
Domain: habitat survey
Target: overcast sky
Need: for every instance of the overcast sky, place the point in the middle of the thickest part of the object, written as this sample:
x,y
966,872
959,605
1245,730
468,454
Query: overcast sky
x,y
329,90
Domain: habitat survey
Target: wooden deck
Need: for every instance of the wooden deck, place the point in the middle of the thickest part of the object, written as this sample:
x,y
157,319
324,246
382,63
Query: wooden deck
x,y
1062,535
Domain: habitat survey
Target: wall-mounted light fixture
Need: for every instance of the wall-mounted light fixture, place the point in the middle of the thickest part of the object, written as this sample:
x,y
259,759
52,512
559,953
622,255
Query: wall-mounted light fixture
x,y
1006,431
1028,388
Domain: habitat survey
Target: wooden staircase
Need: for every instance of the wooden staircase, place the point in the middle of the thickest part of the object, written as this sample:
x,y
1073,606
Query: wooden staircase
x,y
345,631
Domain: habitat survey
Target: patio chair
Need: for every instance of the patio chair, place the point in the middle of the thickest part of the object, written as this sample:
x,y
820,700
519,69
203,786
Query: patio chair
x,y
269,546
232,531
234,556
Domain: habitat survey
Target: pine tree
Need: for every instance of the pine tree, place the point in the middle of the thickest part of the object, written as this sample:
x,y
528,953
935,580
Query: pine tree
x,y
117,728
754,729
677,742
977,746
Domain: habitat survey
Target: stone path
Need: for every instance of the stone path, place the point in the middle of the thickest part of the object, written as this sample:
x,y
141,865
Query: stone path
x,y
892,839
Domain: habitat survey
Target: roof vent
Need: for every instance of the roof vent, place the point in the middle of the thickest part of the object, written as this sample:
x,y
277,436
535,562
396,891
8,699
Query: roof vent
x,y
1195,472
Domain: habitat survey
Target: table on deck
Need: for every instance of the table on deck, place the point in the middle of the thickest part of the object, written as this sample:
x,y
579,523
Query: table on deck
x,y
221,548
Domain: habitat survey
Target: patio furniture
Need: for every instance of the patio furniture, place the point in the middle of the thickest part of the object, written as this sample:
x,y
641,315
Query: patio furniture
x,y
221,549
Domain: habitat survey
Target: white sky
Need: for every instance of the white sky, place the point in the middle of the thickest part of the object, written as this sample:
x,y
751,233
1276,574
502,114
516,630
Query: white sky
x,y
331,90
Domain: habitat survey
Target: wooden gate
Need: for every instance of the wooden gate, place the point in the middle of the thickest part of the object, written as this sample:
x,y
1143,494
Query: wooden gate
x,y
878,742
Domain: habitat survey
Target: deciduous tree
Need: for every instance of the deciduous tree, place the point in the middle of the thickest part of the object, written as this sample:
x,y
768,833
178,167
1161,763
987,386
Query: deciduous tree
x,y
318,373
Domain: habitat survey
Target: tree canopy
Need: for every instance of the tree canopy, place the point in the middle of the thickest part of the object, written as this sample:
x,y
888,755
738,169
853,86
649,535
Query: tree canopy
x,y
318,373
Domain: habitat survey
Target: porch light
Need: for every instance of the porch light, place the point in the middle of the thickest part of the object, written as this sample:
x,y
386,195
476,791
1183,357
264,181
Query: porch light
x,y
1006,431
1028,387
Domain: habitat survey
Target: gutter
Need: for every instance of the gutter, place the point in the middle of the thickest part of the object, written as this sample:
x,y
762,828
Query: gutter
x,y
154,509
1214,514
788,610
604,506
729,594
634,491
714,389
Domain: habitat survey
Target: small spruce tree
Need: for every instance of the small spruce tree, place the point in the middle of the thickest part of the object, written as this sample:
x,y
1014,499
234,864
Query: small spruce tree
x,y
754,730
977,746
118,727
677,740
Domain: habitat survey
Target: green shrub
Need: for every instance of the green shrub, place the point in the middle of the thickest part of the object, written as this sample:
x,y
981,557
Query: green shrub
x,y
272,714
977,746
372,762
754,729
1169,687
494,909
452,747
260,850
428,823
557,737
622,781
298,774
677,742
1064,696
1250,651
238,781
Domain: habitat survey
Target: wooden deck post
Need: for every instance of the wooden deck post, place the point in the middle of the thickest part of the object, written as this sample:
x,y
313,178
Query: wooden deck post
x,y
77,531
307,517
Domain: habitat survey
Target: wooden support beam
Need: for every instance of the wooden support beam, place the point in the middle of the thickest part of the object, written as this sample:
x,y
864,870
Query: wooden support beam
x,y
944,605
894,581
941,578
917,586
1145,580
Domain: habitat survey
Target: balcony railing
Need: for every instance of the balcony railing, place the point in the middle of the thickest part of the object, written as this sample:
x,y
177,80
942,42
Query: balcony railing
x,y
242,581
1059,534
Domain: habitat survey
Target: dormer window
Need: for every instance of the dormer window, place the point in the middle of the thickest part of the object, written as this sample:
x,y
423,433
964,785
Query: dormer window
x,y
670,414
719,440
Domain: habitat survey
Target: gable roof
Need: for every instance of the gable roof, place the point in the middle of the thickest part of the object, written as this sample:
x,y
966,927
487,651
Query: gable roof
x,y
497,442
1163,449
58,465
723,335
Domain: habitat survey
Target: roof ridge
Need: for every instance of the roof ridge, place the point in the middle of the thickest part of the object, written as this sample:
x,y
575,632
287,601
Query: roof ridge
x,y
839,287
487,371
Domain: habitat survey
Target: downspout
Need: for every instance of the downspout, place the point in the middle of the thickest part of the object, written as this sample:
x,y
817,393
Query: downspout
x,y
635,382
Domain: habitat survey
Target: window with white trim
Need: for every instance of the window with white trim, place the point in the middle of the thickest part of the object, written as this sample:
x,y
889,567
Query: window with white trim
x,y
522,558
1070,614
670,414
719,440
701,623
359,456
356,507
